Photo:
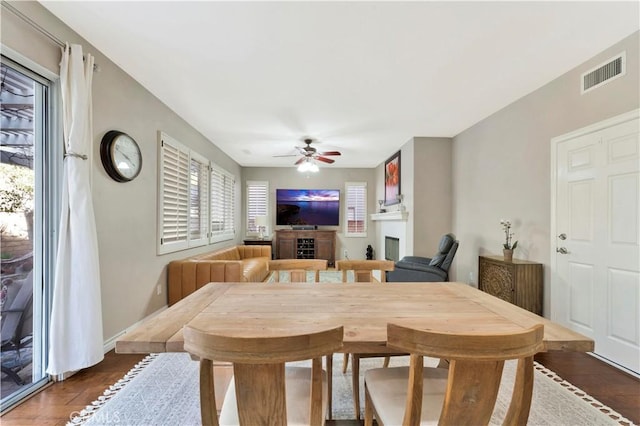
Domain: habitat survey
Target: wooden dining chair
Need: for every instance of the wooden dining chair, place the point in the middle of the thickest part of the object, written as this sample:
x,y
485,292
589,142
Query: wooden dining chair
x,y
297,268
263,390
363,272
363,269
466,392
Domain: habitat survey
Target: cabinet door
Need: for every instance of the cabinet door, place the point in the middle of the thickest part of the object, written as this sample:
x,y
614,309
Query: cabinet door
x,y
325,249
497,280
286,248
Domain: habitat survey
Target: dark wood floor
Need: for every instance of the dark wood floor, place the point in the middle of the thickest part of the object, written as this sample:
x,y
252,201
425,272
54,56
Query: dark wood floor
x,y
53,405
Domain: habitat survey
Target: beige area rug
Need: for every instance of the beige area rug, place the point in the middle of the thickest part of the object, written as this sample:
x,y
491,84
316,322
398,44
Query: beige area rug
x,y
163,390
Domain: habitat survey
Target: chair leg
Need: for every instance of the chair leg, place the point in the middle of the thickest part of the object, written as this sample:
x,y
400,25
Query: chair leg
x,y
208,411
13,375
386,361
329,387
368,408
355,380
345,363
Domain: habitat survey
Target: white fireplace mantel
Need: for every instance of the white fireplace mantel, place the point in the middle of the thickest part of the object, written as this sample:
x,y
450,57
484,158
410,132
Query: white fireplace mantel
x,y
395,215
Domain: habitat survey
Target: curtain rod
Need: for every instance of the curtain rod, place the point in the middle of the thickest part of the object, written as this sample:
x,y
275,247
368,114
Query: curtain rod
x,y
39,28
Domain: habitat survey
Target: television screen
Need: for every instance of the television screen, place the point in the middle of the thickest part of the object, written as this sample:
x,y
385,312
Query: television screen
x,y
308,207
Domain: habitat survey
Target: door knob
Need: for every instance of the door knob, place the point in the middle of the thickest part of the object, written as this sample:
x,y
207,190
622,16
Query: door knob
x,y
562,236
562,250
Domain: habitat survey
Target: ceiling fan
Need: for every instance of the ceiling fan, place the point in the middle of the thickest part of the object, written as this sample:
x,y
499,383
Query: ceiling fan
x,y
310,153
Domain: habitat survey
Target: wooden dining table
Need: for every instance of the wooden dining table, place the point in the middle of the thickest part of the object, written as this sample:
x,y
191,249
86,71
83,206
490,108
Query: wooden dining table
x,y
364,309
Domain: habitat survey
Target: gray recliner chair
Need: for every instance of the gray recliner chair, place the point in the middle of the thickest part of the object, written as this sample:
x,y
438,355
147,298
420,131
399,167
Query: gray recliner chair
x,y
426,269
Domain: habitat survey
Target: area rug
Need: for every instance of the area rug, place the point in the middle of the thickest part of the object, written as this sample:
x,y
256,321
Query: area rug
x,y
163,390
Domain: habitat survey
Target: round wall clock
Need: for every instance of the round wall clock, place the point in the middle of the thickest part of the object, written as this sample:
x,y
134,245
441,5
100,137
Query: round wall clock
x,y
120,156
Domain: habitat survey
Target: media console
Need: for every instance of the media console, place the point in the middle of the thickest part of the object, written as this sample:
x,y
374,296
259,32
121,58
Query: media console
x,y
306,244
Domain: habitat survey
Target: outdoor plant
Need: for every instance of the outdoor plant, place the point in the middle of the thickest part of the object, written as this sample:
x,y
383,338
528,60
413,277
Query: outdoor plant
x,y
16,188
508,235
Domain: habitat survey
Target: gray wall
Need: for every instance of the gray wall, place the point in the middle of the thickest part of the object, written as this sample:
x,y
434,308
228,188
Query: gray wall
x,y
328,178
502,166
126,213
426,183
432,193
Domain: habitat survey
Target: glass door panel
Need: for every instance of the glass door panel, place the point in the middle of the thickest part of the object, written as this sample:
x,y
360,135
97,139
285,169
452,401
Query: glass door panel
x,y
23,240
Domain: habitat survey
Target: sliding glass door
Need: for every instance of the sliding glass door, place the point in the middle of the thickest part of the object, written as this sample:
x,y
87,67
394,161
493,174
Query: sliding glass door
x,y
29,166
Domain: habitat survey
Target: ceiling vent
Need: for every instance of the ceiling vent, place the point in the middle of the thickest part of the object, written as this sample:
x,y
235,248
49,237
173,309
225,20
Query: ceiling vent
x,y
604,73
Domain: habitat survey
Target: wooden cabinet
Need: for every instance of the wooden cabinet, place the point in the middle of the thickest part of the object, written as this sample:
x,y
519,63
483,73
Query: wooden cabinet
x,y
285,247
306,244
518,282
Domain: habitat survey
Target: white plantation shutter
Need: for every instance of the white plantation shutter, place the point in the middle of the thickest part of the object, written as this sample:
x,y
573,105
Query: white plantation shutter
x,y
222,208
173,195
198,200
257,202
356,209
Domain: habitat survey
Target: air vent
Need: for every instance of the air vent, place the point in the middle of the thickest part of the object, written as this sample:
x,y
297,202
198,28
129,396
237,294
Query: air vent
x,y
604,73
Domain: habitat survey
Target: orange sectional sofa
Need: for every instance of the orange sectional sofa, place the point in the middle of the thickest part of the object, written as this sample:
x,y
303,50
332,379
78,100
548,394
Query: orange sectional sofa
x,y
232,264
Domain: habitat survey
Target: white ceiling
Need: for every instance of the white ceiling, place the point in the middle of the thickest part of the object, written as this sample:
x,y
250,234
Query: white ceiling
x,y
360,77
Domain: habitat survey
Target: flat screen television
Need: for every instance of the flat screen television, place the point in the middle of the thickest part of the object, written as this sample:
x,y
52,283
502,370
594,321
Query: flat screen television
x,y
308,207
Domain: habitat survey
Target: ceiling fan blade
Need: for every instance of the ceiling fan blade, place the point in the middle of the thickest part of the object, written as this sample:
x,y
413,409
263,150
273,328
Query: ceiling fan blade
x,y
300,161
330,153
325,160
286,155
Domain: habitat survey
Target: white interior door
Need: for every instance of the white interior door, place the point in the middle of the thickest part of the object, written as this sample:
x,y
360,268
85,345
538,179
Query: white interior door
x,y
595,277
596,262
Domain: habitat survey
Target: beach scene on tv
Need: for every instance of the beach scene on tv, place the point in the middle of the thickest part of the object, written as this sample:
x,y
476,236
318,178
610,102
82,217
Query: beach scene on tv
x,y
308,207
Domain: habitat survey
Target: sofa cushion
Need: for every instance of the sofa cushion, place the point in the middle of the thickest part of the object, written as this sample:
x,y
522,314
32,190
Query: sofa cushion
x,y
230,253
255,269
437,260
246,252
415,266
416,259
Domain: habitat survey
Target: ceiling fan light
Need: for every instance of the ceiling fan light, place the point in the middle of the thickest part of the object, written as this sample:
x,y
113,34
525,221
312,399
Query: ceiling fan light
x,y
313,168
304,166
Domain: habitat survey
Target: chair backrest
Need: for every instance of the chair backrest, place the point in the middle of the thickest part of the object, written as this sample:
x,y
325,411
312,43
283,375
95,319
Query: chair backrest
x,y
446,264
297,268
475,371
259,371
443,258
363,269
14,316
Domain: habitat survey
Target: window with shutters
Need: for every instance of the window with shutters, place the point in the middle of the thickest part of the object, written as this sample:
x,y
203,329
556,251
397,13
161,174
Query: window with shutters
x,y
356,209
257,203
183,197
198,200
222,208
174,195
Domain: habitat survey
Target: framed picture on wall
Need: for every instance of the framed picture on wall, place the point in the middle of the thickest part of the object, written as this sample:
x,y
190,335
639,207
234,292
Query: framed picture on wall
x,y
392,179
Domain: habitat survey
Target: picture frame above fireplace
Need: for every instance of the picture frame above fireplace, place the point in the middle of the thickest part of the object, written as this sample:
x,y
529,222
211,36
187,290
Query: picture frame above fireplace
x,y
392,179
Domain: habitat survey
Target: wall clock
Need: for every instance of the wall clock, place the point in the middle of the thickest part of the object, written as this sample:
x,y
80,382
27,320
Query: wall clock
x,y
120,156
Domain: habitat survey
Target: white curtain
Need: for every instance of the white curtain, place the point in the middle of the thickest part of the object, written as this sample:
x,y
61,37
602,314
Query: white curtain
x,y
76,319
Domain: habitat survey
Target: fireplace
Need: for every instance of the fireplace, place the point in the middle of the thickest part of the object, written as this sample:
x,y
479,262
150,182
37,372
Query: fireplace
x,y
392,248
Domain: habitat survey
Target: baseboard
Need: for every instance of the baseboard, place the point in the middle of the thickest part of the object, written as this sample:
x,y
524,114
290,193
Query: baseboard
x,y
110,343
613,364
